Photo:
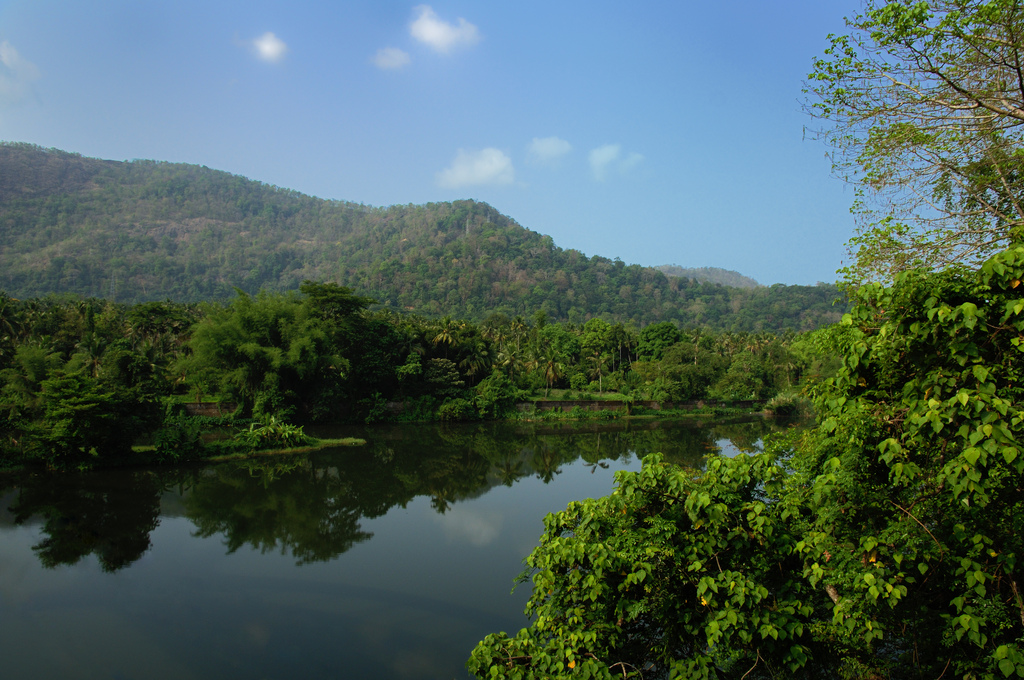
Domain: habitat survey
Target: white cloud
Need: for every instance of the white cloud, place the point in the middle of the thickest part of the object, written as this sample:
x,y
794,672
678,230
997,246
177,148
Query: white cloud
x,y
487,166
390,58
630,162
440,35
466,526
16,75
269,47
548,149
601,158
606,158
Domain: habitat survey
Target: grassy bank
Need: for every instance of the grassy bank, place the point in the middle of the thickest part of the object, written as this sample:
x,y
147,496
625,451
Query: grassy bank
x,y
315,445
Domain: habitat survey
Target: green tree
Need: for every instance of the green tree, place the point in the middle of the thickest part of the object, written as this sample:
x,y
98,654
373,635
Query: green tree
x,y
597,336
549,367
85,419
8,327
655,339
912,482
597,367
269,352
334,303
924,103
671,574
744,379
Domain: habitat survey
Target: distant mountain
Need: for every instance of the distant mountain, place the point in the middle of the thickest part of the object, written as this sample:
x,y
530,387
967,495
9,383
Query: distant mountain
x,y
147,230
725,277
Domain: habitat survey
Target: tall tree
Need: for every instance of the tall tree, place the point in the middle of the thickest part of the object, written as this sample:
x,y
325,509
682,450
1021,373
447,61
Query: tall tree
x,y
924,105
270,352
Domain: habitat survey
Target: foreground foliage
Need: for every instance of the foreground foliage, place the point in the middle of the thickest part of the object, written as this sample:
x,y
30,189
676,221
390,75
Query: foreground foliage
x,y
884,543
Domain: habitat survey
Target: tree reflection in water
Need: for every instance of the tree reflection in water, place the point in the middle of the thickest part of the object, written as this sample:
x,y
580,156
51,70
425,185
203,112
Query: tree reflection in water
x,y
311,506
109,515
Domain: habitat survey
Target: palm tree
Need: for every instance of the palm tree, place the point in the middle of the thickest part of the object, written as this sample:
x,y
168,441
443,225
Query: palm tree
x,y
553,370
598,363
625,339
91,349
447,334
479,357
8,309
509,360
518,329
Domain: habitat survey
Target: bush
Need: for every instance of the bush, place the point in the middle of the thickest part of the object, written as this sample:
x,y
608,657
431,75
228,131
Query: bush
x,y
180,438
496,396
787,405
376,408
578,381
457,409
418,409
273,434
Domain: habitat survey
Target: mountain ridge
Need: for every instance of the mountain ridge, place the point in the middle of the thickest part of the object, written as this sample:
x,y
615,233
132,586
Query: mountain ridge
x,y
725,277
146,230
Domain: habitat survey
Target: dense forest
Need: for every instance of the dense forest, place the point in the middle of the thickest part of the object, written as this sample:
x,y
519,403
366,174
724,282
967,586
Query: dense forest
x,y
83,381
143,230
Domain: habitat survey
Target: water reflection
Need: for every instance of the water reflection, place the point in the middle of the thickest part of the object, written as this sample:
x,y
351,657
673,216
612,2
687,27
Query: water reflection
x,y
271,505
312,507
266,568
107,515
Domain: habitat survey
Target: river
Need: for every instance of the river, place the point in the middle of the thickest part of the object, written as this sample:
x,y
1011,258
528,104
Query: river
x,y
389,560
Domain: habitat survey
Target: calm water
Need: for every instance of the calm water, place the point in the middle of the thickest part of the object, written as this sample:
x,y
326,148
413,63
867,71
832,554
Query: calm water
x,y
384,561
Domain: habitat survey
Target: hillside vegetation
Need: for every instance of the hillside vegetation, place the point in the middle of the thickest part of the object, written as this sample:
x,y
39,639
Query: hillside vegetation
x,y
726,277
146,230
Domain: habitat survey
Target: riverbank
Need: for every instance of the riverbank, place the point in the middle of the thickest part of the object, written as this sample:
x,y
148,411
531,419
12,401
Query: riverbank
x,y
145,455
204,436
607,402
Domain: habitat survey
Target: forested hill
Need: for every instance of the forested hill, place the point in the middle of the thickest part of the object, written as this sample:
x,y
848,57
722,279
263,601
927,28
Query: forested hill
x,y
146,230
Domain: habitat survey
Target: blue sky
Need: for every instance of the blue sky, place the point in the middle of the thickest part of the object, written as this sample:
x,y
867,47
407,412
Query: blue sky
x,y
665,132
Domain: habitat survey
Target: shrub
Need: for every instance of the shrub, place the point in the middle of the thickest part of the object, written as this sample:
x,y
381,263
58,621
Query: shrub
x,y
457,409
273,434
496,396
787,405
180,438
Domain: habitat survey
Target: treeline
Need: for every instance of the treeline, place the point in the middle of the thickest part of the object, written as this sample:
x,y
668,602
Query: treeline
x,y
143,231
82,379
726,277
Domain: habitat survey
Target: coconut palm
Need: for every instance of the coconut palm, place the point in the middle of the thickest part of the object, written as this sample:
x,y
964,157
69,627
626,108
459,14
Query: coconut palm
x,y
553,371
598,365
447,334
478,357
